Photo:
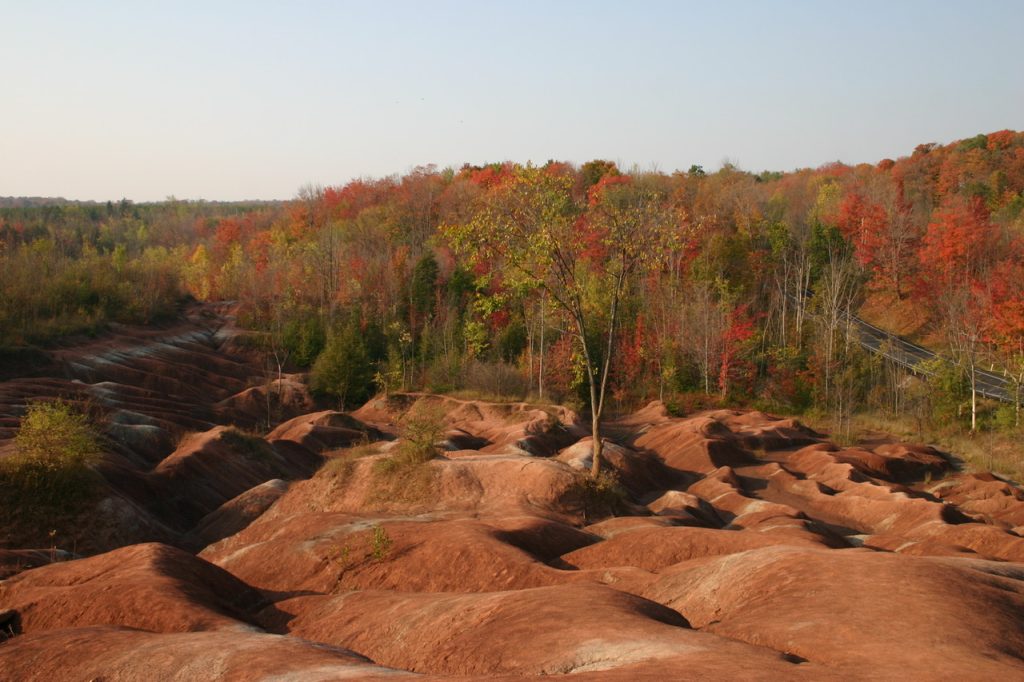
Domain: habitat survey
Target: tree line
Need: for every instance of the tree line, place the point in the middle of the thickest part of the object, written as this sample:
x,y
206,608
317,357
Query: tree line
x,y
604,286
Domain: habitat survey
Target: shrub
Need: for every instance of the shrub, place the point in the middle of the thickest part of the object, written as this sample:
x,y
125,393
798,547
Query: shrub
x,y
685,404
405,476
442,374
56,434
1004,418
422,428
950,390
51,472
381,543
600,495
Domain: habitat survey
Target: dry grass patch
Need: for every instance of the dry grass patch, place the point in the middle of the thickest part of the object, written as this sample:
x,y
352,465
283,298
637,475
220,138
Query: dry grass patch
x,y
402,481
1001,452
340,464
249,444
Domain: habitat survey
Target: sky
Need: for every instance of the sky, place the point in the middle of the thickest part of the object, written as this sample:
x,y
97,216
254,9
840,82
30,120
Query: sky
x,y
254,100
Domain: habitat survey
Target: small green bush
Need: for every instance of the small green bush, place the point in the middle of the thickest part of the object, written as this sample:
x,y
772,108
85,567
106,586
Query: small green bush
x,y
51,472
1004,418
422,428
55,433
599,496
405,476
381,543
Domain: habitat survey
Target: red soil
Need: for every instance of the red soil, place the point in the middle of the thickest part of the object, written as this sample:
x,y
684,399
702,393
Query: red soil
x,y
743,546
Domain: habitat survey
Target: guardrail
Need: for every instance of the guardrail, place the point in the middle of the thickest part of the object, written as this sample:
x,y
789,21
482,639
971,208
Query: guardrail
x,y
910,356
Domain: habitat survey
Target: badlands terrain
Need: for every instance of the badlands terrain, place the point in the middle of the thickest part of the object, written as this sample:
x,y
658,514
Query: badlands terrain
x,y
738,545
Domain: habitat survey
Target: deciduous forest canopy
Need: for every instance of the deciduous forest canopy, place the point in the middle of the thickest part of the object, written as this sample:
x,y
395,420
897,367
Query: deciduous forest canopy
x,y
557,280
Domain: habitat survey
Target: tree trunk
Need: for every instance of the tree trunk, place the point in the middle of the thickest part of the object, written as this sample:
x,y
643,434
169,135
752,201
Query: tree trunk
x,y
597,401
595,415
1017,406
280,387
661,381
974,402
706,363
540,363
270,381
598,447
529,352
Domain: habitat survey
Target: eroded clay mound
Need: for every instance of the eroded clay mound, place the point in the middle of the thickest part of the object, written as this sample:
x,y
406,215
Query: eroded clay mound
x,y
324,430
212,467
983,497
14,561
824,485
274,400
464,482
694,446
506,428
523,632
655,548
858,610
736,545
167,378
148,587
638,471
110,653
326,552
145,389
747,470
237,513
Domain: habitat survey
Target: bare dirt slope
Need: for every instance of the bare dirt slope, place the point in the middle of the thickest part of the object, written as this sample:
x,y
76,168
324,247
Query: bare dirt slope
x,y
175,406
739,545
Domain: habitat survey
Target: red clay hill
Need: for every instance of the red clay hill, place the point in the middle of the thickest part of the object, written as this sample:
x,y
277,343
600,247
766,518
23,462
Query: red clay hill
x,y
737,545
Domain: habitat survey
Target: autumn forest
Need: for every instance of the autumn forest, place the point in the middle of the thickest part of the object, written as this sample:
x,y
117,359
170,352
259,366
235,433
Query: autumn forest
x,y
591,285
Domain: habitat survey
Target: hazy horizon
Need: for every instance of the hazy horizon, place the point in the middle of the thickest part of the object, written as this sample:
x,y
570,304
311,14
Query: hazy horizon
x,y
255,100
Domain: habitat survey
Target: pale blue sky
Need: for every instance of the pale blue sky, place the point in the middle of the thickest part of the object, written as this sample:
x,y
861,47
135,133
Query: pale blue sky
x,y
226,100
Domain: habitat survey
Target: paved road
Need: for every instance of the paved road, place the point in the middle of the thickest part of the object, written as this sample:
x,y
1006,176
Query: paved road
x,y
909,355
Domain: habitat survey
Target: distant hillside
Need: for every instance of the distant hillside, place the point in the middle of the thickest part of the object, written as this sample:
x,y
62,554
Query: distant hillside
x,y
30,202
35,202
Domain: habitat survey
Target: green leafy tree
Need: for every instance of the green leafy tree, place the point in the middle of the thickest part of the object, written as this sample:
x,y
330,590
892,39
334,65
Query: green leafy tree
x,y
344,369
950,389
51,470
55,434
423,289
584,257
